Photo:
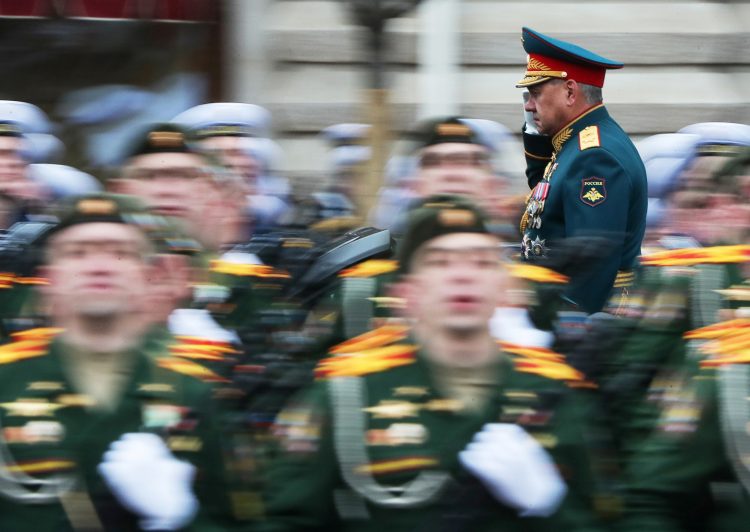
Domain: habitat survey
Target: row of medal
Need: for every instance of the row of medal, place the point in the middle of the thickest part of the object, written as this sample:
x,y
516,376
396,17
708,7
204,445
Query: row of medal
x,y
532,218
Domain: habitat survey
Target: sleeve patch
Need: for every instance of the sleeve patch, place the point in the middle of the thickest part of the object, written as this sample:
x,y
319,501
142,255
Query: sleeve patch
x,y
593,191
589,138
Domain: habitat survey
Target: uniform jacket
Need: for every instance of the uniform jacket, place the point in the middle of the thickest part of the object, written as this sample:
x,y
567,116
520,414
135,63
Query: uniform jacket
x,y
593,184
375,419
49,431
692,473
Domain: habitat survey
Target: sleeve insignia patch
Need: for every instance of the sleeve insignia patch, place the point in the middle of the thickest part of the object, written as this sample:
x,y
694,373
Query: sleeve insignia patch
x,y
589,138
593,191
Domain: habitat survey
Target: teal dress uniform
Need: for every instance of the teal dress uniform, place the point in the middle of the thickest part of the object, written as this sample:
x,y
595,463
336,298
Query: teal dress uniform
x,y
593,185
588,180
374,444
52,441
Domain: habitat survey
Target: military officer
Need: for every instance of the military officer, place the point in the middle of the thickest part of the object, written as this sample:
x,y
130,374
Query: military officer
x,y
87,386
434,427
585,174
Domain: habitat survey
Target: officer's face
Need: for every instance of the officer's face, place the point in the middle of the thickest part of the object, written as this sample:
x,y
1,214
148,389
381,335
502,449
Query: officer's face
x,y
548,102
172,184
455,282
97,270
455,168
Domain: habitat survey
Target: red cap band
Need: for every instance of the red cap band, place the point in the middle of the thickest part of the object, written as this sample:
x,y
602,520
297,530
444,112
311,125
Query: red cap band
x,y
590,75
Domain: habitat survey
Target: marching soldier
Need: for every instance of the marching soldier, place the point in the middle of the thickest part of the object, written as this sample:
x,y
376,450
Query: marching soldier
x,y
585,174
451,160
237,133
98,433
177,180
677,288
434,427
692,472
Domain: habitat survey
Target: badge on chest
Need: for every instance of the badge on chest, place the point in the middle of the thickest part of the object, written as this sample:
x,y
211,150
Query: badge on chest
x,y
398,434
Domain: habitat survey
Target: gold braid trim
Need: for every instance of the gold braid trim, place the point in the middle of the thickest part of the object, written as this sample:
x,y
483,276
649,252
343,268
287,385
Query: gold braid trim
x,y
537,157
547,73
561,138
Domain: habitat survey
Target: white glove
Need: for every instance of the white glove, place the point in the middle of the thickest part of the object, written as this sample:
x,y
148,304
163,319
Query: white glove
x,y
148,480
515,469
530,126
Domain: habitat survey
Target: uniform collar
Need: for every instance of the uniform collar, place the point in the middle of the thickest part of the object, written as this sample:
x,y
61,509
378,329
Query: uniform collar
x,y
592,115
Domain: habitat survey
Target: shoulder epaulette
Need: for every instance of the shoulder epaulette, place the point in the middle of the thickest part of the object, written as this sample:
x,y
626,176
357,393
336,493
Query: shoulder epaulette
x,y
693,256
195,352
589,138
38,333
735,356
553,370
36,281
188,367
732,341
728,342
379,337
540,353
201,348
27,344
247,270
366,362
370,268
545,363
538,274
718,330
7,280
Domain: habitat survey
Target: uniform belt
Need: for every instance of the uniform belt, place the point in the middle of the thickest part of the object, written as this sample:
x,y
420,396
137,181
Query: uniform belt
x,y
624,278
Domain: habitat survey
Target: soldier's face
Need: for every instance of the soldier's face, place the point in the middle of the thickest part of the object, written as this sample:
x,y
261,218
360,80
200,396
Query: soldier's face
x,y
455,168
97,270
548,102
172,184
455,282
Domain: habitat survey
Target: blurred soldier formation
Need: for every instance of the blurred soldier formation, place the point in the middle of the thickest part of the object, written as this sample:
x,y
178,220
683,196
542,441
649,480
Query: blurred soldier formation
x,y
187,344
